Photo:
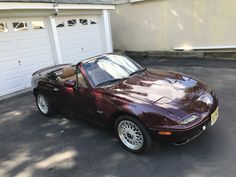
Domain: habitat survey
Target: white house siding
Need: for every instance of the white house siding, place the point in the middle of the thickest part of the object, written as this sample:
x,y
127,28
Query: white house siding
x,y
164,25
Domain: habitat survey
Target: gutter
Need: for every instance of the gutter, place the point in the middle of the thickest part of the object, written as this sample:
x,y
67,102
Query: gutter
x,y
51,6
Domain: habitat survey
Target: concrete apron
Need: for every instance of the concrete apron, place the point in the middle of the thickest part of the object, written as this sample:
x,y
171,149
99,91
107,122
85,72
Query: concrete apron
x,y
14,94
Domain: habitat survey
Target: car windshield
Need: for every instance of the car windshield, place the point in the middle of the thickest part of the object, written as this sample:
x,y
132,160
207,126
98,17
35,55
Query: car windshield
x,y
109,69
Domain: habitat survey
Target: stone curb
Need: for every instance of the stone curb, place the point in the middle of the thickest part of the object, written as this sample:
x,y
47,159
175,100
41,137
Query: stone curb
x,y
231,55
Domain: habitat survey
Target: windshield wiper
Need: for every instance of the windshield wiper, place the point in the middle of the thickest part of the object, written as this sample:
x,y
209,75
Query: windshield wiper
x,y
109,82
138,71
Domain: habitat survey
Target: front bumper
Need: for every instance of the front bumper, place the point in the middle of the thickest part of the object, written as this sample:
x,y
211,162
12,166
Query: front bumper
x,y
180,137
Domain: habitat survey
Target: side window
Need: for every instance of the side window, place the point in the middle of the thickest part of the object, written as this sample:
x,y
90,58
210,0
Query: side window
x,y
83,21
20,26
71,22
3,27
81,81
61,24
93,22
38,25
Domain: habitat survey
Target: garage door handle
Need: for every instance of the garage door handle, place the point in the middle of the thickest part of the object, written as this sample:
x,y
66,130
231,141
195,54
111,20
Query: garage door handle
x,y
19,62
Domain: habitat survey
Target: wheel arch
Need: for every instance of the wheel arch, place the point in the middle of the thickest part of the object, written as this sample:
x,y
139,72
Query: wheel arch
x,y
145,131
38,88
116,115
35,91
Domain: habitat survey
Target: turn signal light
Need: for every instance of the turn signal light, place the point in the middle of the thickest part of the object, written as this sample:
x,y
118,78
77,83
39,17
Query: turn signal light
x,y
164,133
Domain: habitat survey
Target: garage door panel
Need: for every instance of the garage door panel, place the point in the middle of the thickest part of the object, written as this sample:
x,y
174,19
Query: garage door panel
x,y
35,52
40,40
79,39
10,74
10,71
91,47
5,46
29,63
11,83
8,65
81,44
89,42
85,34
94,53
42,33
8,56
71,46
74,47
70,55
72,50
45,57
5,37
25,44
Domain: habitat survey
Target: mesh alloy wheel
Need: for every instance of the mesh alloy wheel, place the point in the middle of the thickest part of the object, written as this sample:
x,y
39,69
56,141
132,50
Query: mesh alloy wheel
x,y
132,134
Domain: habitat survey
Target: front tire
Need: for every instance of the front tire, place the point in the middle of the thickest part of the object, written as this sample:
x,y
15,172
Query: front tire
x,y
132,134
44,105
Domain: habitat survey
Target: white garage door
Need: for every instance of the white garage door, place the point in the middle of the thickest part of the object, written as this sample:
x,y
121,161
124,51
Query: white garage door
x,y
24,48
79,37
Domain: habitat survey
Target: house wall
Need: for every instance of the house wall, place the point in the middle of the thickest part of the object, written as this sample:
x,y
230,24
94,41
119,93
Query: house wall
x,y
165,24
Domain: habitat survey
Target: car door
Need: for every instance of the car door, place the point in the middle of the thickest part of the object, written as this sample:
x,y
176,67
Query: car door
x,y
80,99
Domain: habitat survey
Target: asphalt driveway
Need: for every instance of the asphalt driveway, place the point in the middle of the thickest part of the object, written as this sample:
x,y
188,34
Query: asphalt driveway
x,y
32,145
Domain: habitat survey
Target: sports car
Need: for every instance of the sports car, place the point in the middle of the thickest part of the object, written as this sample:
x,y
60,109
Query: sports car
x,y
141,105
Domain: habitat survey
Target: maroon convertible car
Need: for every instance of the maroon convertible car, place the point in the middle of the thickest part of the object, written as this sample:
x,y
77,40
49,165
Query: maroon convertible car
x,y
139,104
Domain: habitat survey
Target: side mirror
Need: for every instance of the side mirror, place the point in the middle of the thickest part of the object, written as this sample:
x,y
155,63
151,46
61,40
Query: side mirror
x,y
70,83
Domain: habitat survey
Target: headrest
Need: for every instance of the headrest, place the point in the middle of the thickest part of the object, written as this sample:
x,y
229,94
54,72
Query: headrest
x,y
68,71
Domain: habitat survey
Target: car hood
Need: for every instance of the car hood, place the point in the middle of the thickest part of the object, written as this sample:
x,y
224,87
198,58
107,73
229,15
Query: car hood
x,y
170,90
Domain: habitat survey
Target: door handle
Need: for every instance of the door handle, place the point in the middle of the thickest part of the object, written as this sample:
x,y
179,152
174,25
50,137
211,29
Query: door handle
x,y
55,89
19,62
99,112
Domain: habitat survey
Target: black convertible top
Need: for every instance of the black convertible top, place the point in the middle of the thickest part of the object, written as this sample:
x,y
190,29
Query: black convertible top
x,y
50,68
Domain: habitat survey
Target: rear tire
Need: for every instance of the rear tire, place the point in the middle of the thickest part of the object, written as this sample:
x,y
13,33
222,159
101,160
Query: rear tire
x,y
44,105
132,134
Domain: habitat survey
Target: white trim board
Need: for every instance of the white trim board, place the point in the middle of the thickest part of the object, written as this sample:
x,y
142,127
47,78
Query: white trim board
x,y
107,28
55,40
48,6
204,47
